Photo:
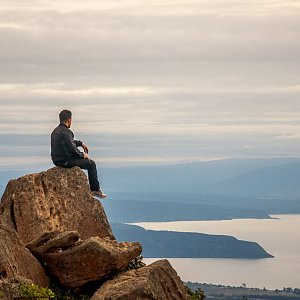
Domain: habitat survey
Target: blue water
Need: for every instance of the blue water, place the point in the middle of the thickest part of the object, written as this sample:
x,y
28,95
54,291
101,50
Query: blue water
x,y
279,237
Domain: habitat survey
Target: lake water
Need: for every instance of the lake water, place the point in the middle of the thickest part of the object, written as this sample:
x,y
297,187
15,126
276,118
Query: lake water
x,y
279,237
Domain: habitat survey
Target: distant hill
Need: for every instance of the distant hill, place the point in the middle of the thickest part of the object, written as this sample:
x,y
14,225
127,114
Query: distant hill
x,y
275,181
133,211
156,207
168,244
222,176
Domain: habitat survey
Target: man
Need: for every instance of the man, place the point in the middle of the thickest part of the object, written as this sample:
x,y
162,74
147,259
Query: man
x,y
64,152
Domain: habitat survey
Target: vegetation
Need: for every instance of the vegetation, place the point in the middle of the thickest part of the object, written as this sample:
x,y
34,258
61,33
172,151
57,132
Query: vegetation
x,y
195,295
63,294
136,263
35,292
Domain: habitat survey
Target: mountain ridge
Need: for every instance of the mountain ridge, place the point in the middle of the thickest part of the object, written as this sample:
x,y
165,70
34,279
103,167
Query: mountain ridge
x,y
273,181
171,244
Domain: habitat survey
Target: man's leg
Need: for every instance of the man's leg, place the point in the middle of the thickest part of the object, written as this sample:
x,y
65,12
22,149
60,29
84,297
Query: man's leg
x,y
90,166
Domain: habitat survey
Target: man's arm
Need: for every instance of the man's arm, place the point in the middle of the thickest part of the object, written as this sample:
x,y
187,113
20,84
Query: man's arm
x,y
70,145
78,143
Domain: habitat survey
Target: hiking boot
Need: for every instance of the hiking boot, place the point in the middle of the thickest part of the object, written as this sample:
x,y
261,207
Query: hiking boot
x,y
99,194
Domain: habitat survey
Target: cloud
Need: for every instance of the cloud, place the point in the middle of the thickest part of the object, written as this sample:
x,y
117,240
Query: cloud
x,y
91,41
169,80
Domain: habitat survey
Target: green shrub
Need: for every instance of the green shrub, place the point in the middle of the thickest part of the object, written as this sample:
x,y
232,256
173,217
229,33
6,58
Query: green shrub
x,y
36,292
197,295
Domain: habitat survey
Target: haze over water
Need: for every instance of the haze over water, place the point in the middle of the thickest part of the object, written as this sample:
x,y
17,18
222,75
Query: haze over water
x,y
279,237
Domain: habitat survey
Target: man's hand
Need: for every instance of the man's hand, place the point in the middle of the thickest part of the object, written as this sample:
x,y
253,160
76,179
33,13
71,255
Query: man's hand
x,y
85,148
86,156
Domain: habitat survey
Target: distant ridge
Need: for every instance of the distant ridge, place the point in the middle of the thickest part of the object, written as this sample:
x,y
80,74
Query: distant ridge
x,y
161,209
169,244
223,176
275,181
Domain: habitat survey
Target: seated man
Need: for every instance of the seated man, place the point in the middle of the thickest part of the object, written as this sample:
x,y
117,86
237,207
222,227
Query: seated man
x,y
64,152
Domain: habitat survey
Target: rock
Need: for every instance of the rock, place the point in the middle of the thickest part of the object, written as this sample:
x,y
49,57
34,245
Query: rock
x,y
16,260
57,199
157,281
53,241
75,262
10,288
54,213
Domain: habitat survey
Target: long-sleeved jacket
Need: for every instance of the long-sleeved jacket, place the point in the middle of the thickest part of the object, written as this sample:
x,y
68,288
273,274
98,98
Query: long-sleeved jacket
x,y
63,145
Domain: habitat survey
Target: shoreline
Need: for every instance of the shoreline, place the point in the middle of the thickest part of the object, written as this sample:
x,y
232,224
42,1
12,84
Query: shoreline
x,y
219,290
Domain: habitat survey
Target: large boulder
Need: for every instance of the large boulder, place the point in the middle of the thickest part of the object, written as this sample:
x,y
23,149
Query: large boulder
x,y
157,281
75,262
16,259
57,199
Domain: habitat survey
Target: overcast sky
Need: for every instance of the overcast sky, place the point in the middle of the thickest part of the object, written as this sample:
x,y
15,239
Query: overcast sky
x,y
151,81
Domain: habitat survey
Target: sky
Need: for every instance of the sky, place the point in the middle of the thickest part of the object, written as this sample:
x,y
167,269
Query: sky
x,y
150,81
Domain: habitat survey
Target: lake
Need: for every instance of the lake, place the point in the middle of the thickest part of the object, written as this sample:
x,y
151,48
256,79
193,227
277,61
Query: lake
x,y
279,236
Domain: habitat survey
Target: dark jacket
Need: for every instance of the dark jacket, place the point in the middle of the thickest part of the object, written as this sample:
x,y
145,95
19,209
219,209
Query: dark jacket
x,y
63,145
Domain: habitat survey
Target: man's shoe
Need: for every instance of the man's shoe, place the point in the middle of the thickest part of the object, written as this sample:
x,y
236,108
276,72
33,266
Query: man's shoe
x,y
99,194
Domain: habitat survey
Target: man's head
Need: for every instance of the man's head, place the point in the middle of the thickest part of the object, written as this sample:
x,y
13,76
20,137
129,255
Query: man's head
x,y
65,116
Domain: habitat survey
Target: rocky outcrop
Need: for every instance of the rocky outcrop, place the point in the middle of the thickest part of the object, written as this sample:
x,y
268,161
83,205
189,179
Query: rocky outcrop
x,y
16,260
67,230
75,263
58,199
157,281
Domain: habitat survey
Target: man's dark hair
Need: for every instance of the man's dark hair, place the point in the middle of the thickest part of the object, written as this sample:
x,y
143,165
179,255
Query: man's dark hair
x,y
64,115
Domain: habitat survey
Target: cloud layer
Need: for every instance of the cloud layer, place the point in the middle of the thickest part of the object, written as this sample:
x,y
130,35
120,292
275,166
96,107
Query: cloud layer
x,y
159,81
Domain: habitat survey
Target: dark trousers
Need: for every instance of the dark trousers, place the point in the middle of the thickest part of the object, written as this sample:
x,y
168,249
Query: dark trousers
x,y
86,164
